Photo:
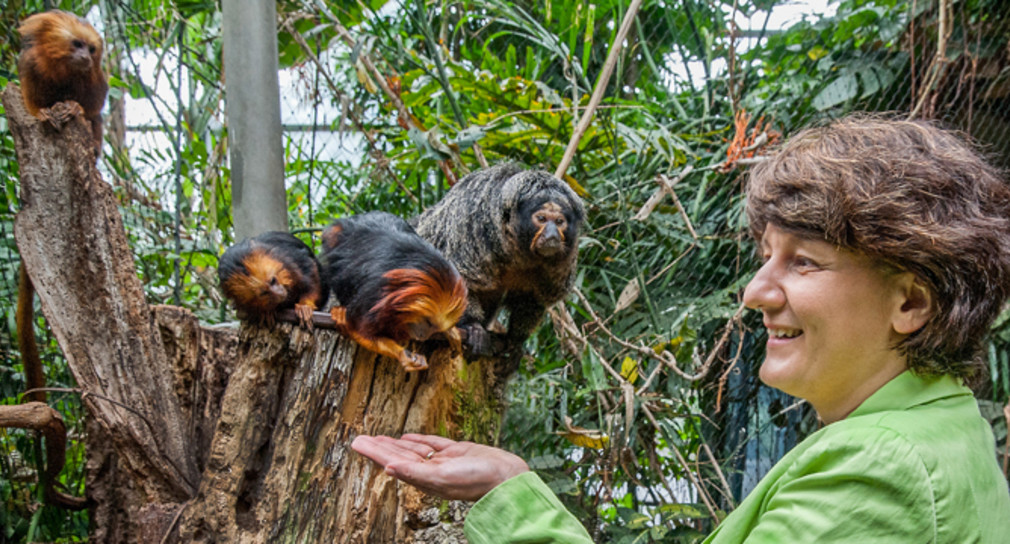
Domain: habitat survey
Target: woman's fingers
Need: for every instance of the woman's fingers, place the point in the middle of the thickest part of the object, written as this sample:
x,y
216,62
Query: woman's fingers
x,y
383,450
421,449
438,443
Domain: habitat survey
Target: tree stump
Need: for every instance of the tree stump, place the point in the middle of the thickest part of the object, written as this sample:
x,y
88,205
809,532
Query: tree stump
x,y
217,434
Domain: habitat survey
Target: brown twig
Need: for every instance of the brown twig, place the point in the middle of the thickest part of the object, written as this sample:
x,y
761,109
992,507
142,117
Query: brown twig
x,y
405,118
171,526
668,185
726,490
725,377
86,394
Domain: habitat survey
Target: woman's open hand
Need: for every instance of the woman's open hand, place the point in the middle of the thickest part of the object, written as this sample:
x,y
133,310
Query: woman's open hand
x,y
440,466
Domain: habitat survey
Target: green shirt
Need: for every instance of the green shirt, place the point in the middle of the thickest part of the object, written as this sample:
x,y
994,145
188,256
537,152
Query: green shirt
x,y
522,509
914,463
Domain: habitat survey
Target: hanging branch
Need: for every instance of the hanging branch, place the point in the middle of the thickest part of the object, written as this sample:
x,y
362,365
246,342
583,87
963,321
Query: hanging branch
x,y
38,416
601,87
702,493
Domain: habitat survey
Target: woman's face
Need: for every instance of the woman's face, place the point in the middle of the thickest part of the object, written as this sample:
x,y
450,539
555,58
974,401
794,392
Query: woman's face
x,y
830,317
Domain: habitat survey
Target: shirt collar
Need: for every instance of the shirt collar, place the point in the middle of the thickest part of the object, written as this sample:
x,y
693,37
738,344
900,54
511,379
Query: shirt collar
x,y
907,390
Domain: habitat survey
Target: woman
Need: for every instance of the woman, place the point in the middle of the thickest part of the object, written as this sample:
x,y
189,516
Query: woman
x,y
886,257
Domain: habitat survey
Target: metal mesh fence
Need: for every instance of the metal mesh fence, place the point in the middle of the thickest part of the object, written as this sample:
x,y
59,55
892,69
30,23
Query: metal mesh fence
x,y
701,90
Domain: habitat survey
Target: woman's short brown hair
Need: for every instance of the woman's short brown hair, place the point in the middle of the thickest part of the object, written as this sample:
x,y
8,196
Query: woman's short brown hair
x,y
911,196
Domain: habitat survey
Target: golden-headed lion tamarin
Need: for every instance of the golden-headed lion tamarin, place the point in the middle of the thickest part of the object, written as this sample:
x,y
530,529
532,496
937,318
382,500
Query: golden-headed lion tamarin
x,y
61,64
513,235
391,285
61,76
272,272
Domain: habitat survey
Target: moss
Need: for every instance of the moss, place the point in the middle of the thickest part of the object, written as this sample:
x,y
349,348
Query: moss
x,y
479,414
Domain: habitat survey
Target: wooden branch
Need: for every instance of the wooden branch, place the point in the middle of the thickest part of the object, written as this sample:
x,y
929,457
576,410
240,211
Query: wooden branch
x,y
38,416
71,239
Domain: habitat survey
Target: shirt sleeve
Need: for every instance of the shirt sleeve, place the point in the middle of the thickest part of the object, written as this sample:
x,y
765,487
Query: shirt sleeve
x,y
522,509
870,489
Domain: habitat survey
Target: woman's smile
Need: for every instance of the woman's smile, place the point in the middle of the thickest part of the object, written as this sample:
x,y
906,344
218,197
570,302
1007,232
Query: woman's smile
x,y
829,314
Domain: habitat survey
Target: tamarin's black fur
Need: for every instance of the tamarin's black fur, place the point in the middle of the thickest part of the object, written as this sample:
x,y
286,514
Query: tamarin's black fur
x,y
61,64
272,272
392,286
513,235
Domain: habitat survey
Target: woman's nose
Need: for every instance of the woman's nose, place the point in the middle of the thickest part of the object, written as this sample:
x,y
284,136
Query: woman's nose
x,y
763,291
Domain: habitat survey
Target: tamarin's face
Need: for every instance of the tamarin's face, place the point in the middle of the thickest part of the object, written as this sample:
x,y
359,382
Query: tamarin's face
x,y
266,284
423,329
69,42
549,227
81,52
428,302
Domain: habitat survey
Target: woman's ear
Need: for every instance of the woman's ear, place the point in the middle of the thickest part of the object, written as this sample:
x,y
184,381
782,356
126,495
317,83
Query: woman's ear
x,y
916,304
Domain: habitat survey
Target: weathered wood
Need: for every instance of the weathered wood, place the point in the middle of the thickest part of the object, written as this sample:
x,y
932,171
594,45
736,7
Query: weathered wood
x,y
227,435
71,239
293,404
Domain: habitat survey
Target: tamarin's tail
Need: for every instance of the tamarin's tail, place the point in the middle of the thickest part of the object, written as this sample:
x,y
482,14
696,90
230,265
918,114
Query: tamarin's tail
x,y
35,378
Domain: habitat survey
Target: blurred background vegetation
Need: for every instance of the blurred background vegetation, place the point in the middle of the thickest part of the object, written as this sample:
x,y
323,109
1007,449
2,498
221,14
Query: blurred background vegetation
x,y
639,402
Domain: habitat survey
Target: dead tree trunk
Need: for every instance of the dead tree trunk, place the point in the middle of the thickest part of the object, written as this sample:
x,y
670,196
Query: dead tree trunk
x,y
215,434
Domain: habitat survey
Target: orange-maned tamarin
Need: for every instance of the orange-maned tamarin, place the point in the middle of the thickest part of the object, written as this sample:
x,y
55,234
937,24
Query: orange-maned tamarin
x,y
61,76
391,285
272,272
61,64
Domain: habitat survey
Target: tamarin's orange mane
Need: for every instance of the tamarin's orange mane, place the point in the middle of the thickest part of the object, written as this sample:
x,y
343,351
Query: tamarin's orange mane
x,y
253,288
417,294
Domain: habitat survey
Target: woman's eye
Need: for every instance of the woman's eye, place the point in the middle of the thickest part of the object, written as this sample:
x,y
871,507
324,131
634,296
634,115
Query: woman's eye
x,y
803,264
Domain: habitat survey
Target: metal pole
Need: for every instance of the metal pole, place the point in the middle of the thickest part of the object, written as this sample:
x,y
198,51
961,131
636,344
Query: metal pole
x,y
252,106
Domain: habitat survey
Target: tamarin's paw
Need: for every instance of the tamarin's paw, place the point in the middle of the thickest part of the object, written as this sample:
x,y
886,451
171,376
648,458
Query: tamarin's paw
x,y
304,313
61,113
413,362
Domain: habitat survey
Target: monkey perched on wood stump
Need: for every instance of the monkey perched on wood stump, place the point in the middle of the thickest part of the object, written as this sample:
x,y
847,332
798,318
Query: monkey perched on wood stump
x,y
60,68
392,286
272,272
513,235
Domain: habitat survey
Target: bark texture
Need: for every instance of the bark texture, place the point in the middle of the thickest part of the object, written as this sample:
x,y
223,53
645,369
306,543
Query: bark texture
x,y
218,434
